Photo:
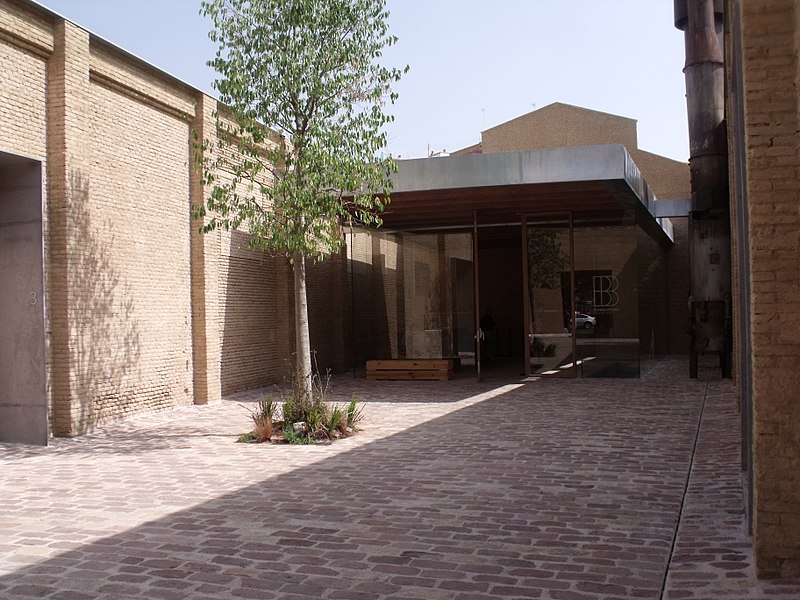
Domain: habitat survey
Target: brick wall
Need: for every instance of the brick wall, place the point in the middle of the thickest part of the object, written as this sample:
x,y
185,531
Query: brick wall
x,y
118,242
255,317
23,81
143,312
68,131
131,282
206,257
559,125
769,44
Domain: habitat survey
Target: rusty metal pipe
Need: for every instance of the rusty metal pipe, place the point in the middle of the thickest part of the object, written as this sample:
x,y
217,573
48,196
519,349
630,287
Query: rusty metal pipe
x,y
709,225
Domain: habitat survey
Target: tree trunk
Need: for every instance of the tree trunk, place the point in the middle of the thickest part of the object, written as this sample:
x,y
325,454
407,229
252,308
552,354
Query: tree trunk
x,y
303,341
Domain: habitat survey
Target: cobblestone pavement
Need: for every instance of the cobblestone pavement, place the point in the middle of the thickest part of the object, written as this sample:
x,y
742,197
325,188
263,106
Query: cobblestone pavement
x,y
584,489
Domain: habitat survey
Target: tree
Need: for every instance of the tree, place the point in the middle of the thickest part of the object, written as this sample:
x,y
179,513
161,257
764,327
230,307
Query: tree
x,y
546,261
298,153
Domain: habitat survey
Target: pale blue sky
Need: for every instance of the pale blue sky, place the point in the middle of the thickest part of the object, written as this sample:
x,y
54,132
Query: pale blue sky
x,y
474,63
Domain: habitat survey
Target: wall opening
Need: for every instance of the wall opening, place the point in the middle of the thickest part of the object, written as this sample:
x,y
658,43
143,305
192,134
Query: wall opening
x,y
23,400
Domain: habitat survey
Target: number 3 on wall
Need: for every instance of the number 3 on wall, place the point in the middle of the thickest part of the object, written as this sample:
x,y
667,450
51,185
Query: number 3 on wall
x,y
34,298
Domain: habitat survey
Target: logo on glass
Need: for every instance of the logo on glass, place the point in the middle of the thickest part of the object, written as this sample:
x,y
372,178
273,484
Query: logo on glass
x,y
605,291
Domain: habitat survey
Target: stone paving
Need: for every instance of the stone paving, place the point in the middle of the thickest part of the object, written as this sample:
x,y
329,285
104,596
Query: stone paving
x,y
567,490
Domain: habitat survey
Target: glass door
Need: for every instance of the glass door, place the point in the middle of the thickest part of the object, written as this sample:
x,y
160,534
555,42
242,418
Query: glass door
x,y
549,300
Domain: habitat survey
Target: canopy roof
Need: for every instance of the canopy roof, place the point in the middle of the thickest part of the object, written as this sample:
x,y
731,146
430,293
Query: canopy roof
x,y
597,183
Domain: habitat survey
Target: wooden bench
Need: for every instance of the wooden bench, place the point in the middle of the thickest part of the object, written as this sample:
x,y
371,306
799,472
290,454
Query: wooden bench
x,y
436,369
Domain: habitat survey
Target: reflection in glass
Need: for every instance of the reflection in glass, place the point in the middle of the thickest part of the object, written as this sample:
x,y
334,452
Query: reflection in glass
x,y
549,298
413,295
606,289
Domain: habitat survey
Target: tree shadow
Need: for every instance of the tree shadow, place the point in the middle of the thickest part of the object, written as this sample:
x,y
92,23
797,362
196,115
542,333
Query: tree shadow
x,y
517,494
256,332
95,333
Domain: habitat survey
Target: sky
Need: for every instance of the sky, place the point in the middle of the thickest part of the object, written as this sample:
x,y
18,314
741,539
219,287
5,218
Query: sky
x,y
473,63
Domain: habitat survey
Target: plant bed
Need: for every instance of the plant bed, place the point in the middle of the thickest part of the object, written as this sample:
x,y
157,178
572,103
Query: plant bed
x,y
303,419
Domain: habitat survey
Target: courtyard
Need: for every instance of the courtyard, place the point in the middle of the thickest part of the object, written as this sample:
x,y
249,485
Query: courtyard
x,y
511,488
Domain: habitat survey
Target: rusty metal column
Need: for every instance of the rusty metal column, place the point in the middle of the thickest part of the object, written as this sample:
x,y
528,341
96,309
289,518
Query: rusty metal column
x,y
526,298
709,222
477,292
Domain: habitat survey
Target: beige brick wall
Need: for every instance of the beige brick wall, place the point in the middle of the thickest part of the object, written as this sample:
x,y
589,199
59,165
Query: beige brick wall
x,y
135,292
770,45
255,319
206,257
25,26
118,246
110,66
256,315
68,134
559,125
23,98
143,312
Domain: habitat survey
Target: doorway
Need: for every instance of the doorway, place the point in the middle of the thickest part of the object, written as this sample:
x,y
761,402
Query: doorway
x,y
499,309
23,401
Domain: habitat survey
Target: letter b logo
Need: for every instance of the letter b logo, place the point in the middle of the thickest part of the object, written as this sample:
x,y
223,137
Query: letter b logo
x,y
605,291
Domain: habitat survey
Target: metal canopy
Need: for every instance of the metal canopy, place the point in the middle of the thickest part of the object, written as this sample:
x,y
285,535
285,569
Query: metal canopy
x,y
598,183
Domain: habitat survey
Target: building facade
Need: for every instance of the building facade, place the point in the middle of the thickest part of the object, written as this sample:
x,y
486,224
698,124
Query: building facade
x,y
112,303
762,49
560,125
116,304
122,306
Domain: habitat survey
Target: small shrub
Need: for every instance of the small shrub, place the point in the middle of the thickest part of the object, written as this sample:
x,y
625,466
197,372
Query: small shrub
x,y
317,419
291,413
263,419
250,436
354,414
290,436
337,421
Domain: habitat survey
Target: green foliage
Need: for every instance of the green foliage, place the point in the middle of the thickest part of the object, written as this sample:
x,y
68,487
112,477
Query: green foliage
x,y
546,258
250,436
292,412
316,419
299,152
266,408
354,414
290,436
337,421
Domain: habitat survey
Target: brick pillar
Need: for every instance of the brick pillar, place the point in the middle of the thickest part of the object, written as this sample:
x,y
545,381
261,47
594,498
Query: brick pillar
x,y
205,270
68,153
769,46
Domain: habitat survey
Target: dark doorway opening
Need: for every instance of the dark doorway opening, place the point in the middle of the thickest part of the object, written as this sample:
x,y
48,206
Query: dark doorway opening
x,y
500,312
23,400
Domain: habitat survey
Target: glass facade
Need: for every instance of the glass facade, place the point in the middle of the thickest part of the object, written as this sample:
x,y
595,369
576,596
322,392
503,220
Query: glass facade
x,y
584,278
606,283
562,296
549,285
413,295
